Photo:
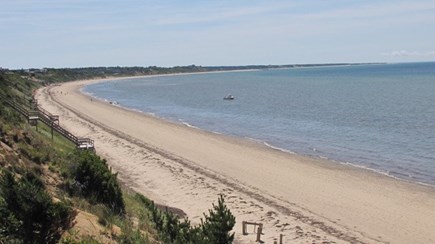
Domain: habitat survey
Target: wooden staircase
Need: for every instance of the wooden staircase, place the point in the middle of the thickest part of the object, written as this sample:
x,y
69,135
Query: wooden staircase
x,y
36,113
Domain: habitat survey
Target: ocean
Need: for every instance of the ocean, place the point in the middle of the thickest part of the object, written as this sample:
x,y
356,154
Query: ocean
x,y
380,117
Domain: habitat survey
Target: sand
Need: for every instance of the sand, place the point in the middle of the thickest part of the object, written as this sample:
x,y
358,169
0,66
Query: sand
x,y
306,199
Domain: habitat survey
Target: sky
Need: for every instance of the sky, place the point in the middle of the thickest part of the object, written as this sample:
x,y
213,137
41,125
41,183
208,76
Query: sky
x,y
90,33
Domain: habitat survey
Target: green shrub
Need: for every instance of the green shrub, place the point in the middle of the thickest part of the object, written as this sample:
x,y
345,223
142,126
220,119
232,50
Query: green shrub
x,y
83,240
214,230
94,180
27,212
106,216
218,223
133,237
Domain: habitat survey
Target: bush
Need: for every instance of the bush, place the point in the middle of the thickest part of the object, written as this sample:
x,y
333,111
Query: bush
x,y
27,213
94,180
105,215
219,223
214,230
131,235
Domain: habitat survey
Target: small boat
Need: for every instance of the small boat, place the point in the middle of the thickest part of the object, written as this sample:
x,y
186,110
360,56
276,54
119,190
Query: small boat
x,y
229,97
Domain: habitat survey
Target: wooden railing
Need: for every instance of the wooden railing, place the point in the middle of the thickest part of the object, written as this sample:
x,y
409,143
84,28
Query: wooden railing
x,y
50,120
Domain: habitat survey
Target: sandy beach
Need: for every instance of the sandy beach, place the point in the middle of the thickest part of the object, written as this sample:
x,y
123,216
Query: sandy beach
x,y
307,200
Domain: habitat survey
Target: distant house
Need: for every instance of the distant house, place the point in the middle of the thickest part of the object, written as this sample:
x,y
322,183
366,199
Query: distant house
x,y
4,70
34,71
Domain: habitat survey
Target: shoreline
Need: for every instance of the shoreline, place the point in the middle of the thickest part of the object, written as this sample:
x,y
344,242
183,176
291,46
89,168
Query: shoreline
x,y
383,173
297,190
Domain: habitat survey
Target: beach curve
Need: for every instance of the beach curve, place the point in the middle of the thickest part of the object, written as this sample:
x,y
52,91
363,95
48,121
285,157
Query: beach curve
x,y
303,198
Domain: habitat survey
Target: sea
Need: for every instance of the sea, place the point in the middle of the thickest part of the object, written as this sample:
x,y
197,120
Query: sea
x,y
380,117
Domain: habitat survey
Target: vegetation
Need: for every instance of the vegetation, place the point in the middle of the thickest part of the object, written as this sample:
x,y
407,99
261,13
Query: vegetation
x,y
27,212
94,180
61,75
218,223
214,229
51,75
46,184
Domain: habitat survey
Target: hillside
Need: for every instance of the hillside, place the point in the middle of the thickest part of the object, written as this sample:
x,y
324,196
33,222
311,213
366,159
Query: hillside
x,y
51,192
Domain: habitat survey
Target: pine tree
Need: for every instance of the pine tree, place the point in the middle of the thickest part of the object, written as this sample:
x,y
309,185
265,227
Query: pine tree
x,y
171,226
219,223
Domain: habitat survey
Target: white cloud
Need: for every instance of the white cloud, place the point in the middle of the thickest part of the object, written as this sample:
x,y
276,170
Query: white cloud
x,y
405,53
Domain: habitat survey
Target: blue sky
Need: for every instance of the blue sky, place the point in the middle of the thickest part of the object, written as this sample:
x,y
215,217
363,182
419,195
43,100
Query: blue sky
x,y
82,33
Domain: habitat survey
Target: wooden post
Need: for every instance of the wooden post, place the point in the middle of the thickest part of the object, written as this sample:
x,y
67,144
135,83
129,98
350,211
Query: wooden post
x,y
280,238
259,230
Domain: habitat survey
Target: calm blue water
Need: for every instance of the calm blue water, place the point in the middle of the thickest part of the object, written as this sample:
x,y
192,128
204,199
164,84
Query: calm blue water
x,y
377,116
